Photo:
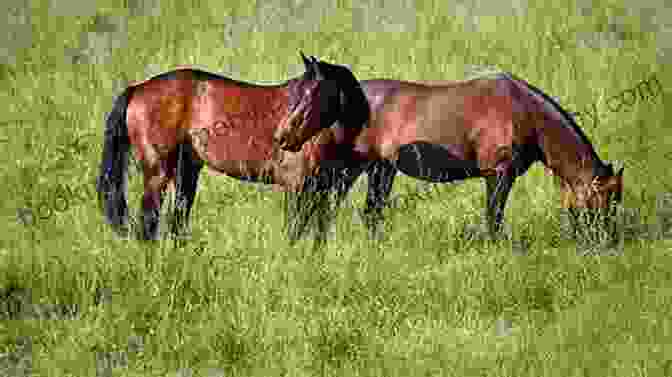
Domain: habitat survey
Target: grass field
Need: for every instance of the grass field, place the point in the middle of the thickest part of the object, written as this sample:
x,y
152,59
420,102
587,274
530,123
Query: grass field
x,y
434,298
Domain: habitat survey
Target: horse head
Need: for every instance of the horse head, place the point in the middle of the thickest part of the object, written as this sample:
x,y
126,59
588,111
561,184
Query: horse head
x,y
595,197
319,99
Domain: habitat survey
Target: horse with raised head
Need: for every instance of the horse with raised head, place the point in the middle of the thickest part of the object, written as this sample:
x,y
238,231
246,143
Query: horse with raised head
x,y
494,127
180,120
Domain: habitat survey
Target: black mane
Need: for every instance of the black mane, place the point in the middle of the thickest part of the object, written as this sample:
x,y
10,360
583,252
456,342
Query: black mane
x,y
356,106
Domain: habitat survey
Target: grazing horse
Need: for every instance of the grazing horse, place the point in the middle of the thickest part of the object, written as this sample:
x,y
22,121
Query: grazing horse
x,y
180,120
493,126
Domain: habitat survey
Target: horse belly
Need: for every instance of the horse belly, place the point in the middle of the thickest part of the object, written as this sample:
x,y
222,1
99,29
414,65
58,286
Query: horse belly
x,y
228,151
232,145
434,162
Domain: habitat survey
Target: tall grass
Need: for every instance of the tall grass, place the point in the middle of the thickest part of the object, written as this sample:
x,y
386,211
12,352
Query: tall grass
x,y
434,298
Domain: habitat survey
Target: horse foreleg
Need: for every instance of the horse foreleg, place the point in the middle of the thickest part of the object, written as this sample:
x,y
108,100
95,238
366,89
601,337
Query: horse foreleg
x,y
324,216
340,179
498,188
343,185
186,182
574,222
292,175
295,217
380,181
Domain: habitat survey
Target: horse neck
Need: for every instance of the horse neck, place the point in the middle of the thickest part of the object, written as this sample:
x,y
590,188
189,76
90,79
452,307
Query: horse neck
x,y
569,157
566,150
365,140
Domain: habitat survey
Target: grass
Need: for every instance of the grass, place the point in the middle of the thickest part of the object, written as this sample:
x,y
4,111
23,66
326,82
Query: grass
x,y
431,299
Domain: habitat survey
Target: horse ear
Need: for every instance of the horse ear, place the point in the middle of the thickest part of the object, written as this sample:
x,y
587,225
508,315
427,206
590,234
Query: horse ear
x,y
620,171
304,58
316,69
307,63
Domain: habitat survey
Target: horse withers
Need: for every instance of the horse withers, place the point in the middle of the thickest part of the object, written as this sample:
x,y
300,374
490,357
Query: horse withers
x,y
180,120
494,126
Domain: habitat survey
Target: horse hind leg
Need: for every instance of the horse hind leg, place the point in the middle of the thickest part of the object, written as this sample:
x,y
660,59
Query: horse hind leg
x,y
156,177
187,172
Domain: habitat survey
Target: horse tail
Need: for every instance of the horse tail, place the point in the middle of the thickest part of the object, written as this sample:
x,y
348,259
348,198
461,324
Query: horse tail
x,y
112,180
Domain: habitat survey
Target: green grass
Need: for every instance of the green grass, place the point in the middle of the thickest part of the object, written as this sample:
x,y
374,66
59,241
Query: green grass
x,y
431,299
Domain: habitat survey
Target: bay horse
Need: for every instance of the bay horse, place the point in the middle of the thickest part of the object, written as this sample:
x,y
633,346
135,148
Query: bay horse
x,y
182,119
494,126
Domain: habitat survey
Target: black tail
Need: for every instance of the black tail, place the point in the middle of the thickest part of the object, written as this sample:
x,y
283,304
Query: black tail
x,y
112,180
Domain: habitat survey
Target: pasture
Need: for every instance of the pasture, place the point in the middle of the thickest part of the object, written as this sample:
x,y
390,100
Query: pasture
x,y
435,297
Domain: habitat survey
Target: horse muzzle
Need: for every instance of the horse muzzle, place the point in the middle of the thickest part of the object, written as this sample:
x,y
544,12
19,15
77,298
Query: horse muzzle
x,y
288,141
283,142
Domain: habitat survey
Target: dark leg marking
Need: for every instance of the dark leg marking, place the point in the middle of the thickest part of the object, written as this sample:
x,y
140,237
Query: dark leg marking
x,y
334,176
498,188
574,222
381,179
150,214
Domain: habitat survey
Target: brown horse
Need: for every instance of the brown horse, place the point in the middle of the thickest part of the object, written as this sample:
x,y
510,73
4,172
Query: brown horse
x,y
494,127
180,120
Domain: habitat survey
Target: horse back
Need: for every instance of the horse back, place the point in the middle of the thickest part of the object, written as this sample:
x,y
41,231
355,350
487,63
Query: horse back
x,y
191,98
238,118
478,119
447,111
